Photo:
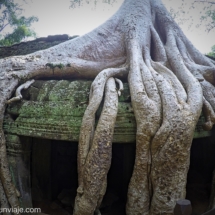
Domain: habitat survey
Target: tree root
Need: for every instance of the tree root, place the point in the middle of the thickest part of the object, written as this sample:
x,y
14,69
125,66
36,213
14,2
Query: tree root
x,y
98,158
3,199
208,114
9,189
146,103
169,82
120,86
18,96
88,121
7,86
156,147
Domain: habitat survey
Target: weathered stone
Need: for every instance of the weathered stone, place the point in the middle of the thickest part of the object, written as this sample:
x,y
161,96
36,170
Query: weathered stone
x,y
28,47
54,110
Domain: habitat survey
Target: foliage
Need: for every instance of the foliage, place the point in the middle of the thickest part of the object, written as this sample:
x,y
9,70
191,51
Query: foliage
x,y
210,14
53,66
19,33
184,13
78,3
11,18
187,9
212,53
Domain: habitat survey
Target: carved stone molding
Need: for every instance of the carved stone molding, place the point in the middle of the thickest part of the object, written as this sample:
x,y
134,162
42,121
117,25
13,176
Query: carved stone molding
x,y
54,110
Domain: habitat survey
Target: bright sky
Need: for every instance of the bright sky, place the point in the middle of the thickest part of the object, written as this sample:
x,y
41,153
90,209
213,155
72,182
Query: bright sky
x,y
55,17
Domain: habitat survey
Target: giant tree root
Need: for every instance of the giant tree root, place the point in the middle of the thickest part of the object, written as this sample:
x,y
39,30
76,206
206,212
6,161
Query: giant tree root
x,y
169,80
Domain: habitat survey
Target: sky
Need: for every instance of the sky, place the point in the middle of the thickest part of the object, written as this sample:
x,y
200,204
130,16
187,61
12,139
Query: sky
x,y
56,17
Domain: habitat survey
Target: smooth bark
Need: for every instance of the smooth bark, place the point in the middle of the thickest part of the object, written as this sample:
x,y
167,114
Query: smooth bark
x,y
169,82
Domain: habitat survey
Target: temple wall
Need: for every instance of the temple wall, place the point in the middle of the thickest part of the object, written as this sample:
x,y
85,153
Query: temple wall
x,y
28,47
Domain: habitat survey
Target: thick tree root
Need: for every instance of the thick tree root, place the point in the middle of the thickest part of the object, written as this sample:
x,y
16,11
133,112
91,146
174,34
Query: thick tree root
x,y
159,151
87,127
9,190
169,82
209,115
3,199
146,103
170,161
98,159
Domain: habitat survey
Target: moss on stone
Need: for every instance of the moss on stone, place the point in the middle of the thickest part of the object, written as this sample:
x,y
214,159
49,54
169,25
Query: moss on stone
x,y
58,110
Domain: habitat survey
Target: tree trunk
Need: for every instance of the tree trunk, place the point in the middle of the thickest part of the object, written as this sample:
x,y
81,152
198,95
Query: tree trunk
x,y
170,81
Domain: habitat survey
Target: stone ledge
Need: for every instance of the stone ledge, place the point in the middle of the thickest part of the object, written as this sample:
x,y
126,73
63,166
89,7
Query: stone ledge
x,y
54,109
28,47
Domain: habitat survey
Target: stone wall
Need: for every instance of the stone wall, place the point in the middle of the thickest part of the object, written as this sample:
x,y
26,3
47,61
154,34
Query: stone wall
x,y
53,109
28,47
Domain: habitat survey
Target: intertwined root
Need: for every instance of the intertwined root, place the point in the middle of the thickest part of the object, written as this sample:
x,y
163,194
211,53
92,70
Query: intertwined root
x,y
146,104
170,150
97,161
166,114
165,71
167,108
88,121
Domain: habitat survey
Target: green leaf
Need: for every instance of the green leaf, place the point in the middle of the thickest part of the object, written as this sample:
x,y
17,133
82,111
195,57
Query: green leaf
x,y
11,16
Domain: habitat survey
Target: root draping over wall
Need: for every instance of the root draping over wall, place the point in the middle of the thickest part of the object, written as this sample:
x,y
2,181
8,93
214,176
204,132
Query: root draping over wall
x,y
170,82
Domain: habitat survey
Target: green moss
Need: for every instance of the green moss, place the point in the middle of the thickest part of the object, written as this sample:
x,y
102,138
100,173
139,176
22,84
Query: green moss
x,y
53,66
45,90
75,91
58,110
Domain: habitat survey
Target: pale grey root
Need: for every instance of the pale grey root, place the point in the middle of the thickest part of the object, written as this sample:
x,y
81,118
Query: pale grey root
x,y
169,81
